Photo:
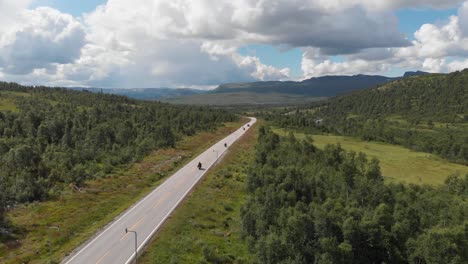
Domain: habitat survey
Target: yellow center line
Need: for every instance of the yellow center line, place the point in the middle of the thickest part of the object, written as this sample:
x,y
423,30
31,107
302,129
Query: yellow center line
x,y
103,256
133,226
179,183
156,204
137,223
162,199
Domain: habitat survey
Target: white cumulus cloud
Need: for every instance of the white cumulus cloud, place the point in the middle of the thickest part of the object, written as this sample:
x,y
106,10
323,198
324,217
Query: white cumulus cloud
x,y
150,43
42,37
261,71
437,47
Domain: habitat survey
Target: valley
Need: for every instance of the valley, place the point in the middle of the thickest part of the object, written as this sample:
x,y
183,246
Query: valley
x,y
82,160
233,132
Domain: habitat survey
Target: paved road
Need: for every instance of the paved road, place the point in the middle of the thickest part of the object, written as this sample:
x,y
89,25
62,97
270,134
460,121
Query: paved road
x,y
114,246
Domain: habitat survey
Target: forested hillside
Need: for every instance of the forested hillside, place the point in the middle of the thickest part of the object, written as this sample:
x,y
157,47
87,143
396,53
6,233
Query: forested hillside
x,y
50,138
331,206
145,93
435,97
426,113
324,86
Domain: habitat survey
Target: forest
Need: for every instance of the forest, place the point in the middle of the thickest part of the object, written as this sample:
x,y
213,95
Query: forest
x,y
55,137
307,205
426,113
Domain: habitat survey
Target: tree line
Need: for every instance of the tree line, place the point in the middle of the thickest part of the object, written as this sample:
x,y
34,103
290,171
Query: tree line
x,y
427,113
308,205
59,137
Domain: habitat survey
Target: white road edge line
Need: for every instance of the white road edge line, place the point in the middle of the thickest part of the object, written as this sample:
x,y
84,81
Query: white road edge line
x,y
177,204
117,220
120,217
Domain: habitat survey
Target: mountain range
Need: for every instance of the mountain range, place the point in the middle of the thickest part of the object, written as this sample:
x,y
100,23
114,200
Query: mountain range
x,y
260,93
325,86
289,92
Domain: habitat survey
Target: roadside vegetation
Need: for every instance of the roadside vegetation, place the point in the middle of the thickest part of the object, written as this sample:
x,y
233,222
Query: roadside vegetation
x,y
308,205
66,159
59,137
312,202
80,213
206,228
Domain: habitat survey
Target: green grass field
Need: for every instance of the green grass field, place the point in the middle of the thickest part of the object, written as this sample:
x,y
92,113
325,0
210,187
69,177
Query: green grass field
x,y
398,164
6,103
206,228
81,213
8,100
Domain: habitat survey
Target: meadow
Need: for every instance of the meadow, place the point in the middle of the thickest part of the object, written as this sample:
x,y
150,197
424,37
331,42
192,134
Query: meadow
x,y
398,164
7,102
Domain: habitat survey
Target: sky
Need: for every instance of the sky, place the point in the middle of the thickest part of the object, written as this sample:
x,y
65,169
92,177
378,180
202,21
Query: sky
x,y
203,43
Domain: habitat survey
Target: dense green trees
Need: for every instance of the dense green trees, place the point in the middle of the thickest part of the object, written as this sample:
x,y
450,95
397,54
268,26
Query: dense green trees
x,y
331,206
435,97
58,136
427,113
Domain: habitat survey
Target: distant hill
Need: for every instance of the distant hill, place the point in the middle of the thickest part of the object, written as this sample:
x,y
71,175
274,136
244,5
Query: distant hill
x,y
145,93
426,113
325,86
286,93
260,93
437,97
415,73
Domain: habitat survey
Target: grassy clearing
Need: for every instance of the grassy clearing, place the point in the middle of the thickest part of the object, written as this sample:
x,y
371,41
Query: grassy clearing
x,y
7,101
14,94
424,125
8,98
206,227
80,214
7,104
398,164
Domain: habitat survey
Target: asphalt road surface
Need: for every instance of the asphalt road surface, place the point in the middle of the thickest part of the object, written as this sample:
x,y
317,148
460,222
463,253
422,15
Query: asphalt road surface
x,y
114,246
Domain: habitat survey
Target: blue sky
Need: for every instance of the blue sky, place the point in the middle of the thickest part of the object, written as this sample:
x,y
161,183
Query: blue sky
x,y
73,7
278,57
410,20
